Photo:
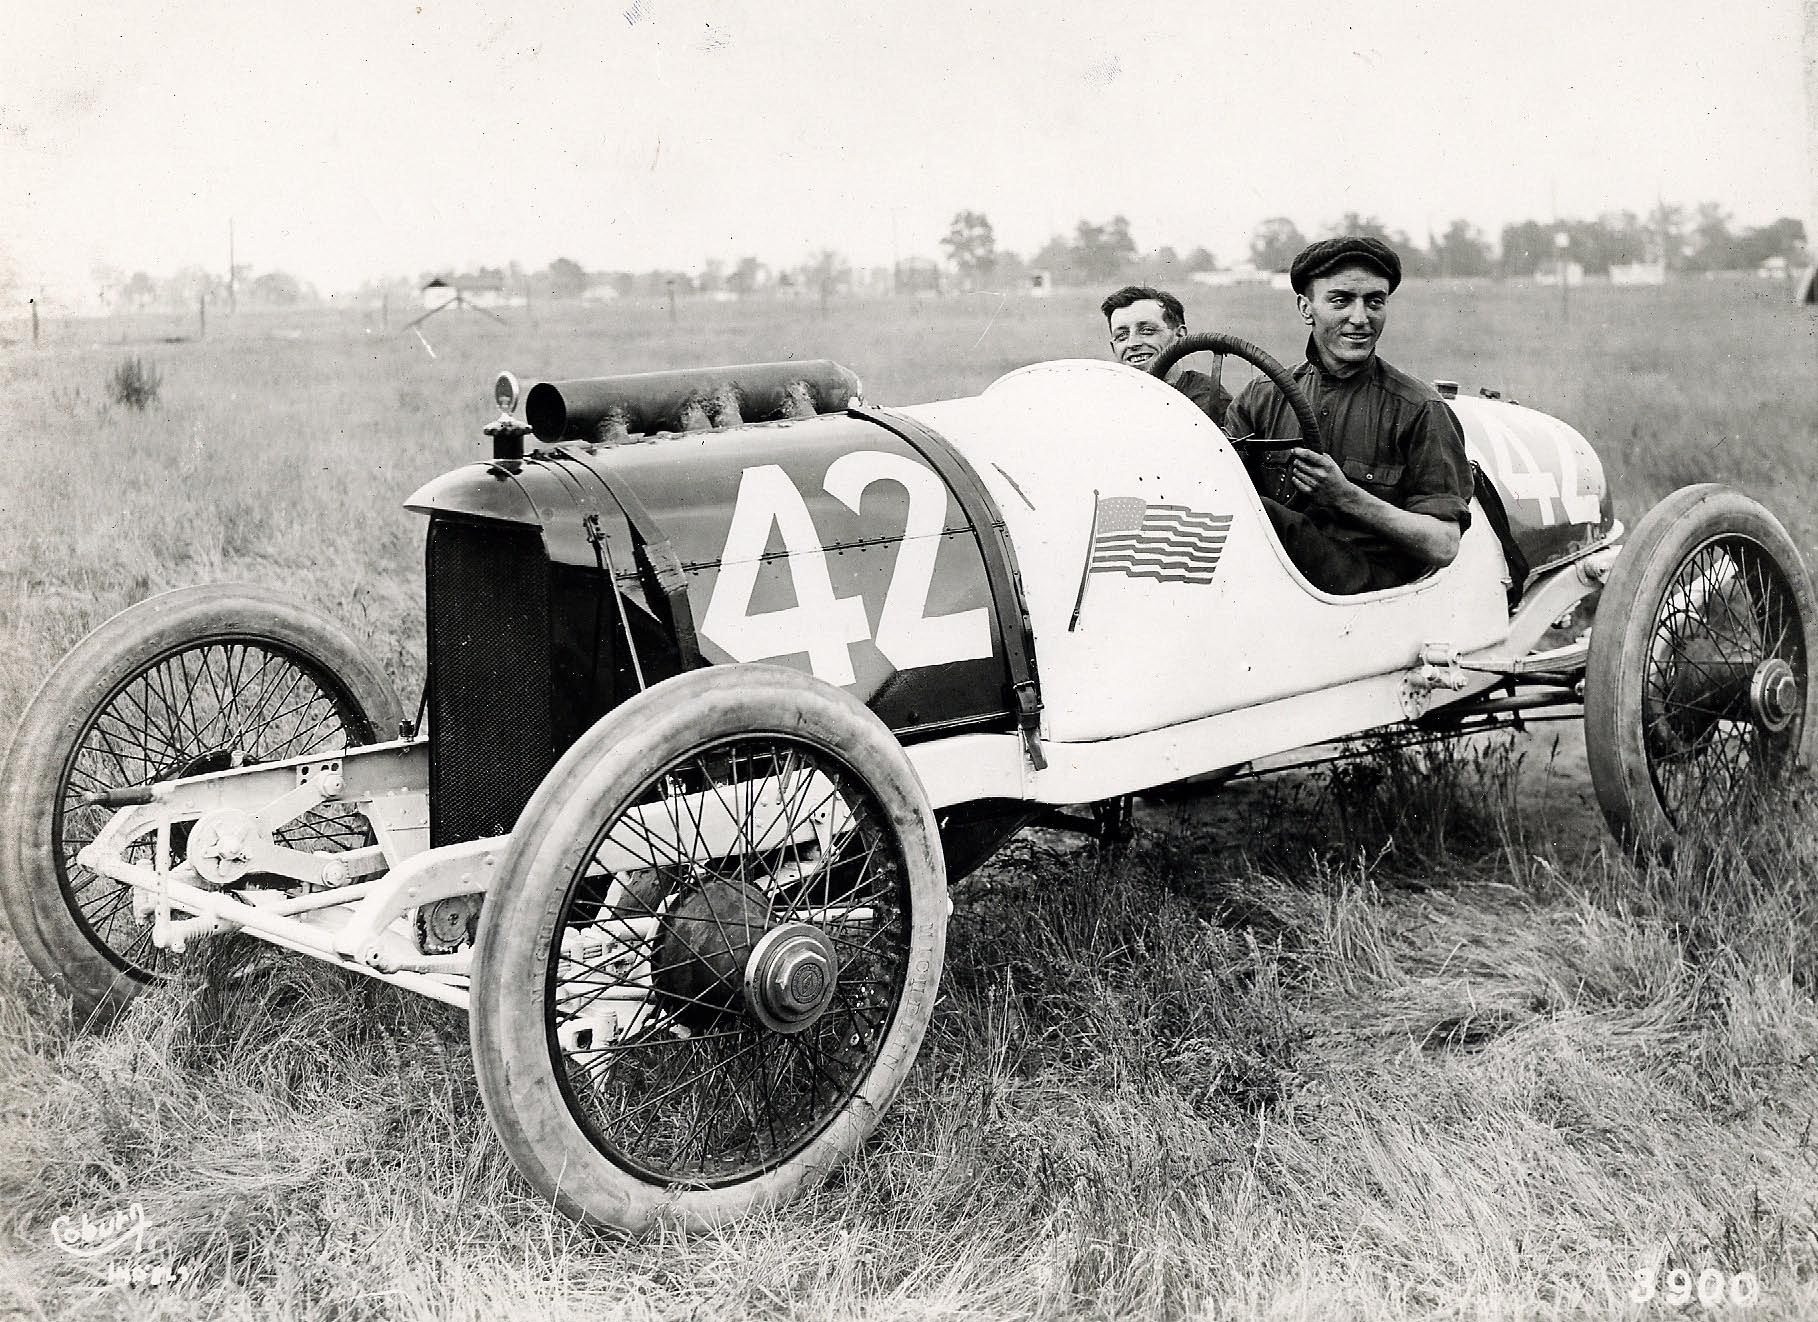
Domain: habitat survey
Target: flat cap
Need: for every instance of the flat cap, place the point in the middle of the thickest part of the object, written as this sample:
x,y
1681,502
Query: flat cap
x,y
1316,259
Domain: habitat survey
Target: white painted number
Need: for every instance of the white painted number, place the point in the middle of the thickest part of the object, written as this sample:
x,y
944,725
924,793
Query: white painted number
x,y
1582,504
1529,479
821,624
1526,479
906,634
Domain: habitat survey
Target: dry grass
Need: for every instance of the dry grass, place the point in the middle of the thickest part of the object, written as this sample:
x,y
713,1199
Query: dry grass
x,y
1400,1042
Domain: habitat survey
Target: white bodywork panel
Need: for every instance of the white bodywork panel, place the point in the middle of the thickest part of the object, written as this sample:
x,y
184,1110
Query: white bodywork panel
x,y
1544,467
1051,440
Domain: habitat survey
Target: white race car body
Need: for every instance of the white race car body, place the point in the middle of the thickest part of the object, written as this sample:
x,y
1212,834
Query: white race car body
x,y
1235,655
1171,635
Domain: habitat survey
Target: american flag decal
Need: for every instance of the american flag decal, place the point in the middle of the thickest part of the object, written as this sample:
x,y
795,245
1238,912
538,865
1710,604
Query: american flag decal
x,y
1168,543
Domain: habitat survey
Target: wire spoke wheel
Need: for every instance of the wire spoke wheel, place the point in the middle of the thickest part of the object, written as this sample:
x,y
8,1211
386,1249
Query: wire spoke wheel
x,y
694,1058
1698,693
1715,743
203,708
189,683
713,951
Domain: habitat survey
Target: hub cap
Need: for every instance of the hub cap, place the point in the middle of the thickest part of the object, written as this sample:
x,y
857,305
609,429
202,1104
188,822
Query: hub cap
x,y
1774,694
791,977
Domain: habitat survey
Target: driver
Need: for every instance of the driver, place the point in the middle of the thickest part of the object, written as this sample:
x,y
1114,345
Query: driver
x,y
1389,498
1143,321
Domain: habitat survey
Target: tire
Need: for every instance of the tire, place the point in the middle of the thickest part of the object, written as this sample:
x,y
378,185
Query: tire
x,y
1698,697
706,1091
190,681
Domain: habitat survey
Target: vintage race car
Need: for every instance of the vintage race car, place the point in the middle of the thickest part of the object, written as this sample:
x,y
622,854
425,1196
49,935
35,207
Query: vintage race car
x,y
732,674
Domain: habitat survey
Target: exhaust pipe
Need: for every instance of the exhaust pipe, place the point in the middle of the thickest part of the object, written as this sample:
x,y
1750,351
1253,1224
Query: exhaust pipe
x,y
612,409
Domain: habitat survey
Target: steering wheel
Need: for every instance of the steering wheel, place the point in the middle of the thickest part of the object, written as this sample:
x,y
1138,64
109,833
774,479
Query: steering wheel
x,y
1265,459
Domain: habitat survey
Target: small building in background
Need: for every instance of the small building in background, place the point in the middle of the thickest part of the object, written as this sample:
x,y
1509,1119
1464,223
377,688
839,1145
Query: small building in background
x,y
481,291
1638,273
1549,273
1237,275
1041,284
873,281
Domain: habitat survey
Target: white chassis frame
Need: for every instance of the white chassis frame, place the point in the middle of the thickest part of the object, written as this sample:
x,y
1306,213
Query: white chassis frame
x,y
355,909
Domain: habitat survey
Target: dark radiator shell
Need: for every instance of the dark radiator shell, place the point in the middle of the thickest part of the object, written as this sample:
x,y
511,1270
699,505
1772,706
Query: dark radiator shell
x,y
492,736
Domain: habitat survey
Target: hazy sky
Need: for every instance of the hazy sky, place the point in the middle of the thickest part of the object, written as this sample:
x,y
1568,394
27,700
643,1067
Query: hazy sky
x,y
349,138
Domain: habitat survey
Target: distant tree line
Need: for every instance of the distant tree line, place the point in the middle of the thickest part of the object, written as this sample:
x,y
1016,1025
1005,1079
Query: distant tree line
x,y
1687,240
1105,252
140,292
1696,240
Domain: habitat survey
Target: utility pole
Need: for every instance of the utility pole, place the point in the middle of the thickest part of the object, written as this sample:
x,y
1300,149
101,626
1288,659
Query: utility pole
x,y
34,303
233,304
1811,148
1563,243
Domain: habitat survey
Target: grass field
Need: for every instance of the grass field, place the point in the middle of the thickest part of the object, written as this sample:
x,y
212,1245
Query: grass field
x,y
1410,1039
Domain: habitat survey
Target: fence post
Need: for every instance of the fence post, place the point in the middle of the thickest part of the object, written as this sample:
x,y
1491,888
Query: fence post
x,y
201,316
34,303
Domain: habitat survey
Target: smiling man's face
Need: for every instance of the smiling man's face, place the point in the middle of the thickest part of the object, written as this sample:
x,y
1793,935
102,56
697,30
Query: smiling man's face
x,y
1347,310
1141,331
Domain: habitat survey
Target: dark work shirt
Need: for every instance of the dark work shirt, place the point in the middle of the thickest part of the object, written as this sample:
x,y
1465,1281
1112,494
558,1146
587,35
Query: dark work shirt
x,y
1391,433
1207,392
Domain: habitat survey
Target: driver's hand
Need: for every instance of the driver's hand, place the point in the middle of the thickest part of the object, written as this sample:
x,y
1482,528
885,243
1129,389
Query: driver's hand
x,y
1317,476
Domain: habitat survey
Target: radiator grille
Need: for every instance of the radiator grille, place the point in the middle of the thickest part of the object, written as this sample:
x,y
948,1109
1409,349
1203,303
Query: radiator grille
x,y
490,742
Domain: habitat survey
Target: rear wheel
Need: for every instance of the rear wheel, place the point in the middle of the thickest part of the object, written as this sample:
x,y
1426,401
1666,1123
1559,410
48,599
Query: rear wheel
x,y
189,682
1698,691
712,952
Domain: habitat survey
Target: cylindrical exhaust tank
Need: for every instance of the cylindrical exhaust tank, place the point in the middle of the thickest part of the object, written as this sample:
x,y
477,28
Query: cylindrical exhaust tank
x,y
617,407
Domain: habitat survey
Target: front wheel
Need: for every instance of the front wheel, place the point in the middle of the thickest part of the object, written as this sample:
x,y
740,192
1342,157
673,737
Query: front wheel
x,y
1698,690
188,682
712,951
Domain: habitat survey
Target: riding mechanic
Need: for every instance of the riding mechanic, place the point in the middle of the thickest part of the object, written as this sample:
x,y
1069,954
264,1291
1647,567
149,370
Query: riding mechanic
x,y
1389,498
1142,322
